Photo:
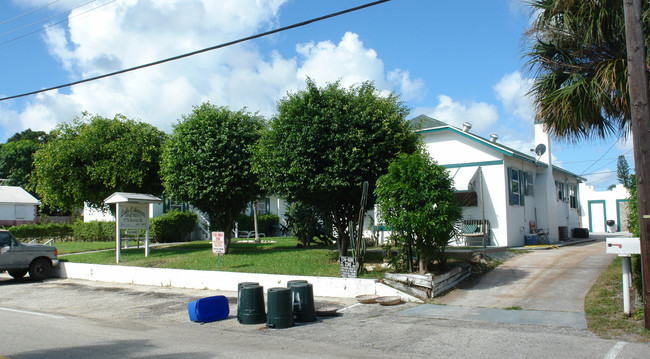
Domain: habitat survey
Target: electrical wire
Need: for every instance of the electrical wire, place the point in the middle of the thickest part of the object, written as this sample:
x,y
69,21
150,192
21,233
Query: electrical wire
x,y
28,12
45,19
601,157
56,23
188,54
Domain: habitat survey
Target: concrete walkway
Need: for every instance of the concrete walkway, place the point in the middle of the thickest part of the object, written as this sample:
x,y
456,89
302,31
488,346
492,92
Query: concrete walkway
x,y
542,287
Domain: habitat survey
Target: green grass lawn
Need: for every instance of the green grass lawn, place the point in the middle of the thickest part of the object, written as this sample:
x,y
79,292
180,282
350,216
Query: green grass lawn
x,y
281,257
604,309
76,247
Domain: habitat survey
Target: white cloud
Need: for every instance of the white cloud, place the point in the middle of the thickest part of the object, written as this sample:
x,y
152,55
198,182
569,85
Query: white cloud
x,y
238,76
512,91
481,115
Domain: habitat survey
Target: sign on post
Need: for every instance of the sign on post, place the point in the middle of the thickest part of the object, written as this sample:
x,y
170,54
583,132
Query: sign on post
x,y
348,267
218,245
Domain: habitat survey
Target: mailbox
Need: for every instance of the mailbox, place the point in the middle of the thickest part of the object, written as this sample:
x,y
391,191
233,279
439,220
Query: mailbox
x,y
623,246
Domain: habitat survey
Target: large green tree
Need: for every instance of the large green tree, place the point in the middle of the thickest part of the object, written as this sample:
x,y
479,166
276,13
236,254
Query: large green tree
x,y
92,157
207,162
577,53
17,157
417,200
325,142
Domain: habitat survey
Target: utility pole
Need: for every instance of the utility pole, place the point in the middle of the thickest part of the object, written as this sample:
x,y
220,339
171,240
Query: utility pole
x,y
638,86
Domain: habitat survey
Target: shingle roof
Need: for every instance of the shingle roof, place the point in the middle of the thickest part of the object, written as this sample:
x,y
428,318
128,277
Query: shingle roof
x,y
16,195
423,122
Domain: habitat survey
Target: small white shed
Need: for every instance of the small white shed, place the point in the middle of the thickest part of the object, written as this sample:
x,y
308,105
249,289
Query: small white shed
x,y
17,206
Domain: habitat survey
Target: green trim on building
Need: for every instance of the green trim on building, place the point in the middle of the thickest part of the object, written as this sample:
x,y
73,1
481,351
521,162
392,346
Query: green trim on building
x,y
589,203
471,164
618,213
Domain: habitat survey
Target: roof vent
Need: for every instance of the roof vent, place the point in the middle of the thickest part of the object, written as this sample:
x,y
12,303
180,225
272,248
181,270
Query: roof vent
x,y
467,126
494,137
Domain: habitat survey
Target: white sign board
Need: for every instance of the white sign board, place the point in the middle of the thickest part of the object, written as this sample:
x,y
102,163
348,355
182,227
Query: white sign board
x,y
134,216
218,245
623,246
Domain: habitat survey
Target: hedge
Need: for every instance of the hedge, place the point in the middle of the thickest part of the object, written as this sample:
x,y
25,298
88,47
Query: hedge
x,y
266,223
94,231
173,226
58,231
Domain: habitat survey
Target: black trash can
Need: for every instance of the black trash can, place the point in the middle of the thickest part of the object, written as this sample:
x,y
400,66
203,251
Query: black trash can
x,y
250,305
279,308
302,296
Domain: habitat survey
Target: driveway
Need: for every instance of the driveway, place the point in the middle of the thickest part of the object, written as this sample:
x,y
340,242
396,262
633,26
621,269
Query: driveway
x,y
552,280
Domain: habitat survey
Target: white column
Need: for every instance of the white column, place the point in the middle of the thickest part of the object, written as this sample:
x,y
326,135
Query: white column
x,y
626,284
118,239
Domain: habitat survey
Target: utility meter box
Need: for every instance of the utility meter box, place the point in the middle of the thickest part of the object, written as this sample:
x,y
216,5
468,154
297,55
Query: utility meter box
x,y
623,246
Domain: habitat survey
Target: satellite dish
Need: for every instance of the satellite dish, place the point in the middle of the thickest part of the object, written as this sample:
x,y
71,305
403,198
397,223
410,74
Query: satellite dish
x,y
540,149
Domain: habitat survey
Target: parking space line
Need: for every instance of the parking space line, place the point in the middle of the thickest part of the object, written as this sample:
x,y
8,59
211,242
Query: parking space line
x,y
616,349
32,313
352,306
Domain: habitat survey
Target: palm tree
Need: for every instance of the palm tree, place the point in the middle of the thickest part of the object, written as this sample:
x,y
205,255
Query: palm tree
x,y
576,50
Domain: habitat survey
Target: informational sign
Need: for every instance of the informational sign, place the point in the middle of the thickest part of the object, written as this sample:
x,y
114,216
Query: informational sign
x,y
218,245
134,216
348,267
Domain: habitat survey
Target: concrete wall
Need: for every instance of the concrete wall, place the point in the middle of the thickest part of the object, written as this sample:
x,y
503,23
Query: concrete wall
x,y
215,280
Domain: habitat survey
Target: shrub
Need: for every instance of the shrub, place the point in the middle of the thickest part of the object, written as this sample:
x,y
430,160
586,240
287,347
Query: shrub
x,y
173,226
94,231
308,224
266,223
48,231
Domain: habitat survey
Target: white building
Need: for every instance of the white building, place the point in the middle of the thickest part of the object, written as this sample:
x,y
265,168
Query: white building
x,y
506,188
17,206
598,207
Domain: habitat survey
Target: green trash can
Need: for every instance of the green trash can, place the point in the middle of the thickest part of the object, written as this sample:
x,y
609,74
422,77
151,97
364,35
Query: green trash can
x,y
250,304
239,287
291,283
302,297
279,308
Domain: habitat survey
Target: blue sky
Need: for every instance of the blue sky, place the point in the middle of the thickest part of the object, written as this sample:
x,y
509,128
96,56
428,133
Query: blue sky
x,y
456,61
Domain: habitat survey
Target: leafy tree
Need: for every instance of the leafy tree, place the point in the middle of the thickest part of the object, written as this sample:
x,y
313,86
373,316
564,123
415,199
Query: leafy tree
x,y
325,142
577,50
416,199
17,157
16,162
308,224
93,156
207,163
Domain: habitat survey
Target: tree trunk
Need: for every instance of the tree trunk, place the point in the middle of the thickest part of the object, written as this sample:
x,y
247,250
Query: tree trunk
x,y
342,238
638,85
257,235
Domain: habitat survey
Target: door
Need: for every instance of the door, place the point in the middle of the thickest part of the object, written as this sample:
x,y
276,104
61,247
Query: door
x,y
622,213
597,216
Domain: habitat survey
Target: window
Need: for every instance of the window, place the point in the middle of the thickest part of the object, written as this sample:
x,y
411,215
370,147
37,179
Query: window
x,y
515,182
573,196
528,188
559,189
466,199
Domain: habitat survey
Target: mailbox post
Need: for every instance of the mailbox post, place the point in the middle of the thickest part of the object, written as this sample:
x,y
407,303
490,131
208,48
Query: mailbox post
x,y
624,247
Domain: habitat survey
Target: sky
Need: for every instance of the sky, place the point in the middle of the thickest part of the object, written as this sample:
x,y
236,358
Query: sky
x,y
456,61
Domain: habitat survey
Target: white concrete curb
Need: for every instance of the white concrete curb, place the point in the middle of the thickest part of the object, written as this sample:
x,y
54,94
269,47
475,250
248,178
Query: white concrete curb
x,y
214,280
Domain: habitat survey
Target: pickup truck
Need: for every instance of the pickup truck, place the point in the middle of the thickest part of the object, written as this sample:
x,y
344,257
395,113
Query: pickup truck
x,y
18,259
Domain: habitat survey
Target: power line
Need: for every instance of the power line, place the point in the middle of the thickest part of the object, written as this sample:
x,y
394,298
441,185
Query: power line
x,y
601,157
56,23
45,19
188,54
28,12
